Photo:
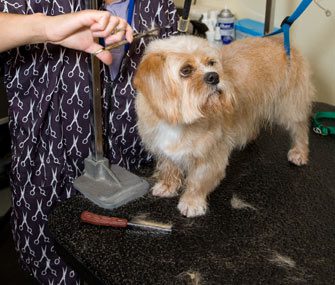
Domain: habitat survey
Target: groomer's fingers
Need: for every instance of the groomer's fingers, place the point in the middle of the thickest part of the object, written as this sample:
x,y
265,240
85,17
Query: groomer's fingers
x,y
120,32
129,34
104,56
108,29
123,30
112,29
117,32
101,21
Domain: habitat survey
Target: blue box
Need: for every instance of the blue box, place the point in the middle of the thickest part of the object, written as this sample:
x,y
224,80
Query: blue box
x,y
248,28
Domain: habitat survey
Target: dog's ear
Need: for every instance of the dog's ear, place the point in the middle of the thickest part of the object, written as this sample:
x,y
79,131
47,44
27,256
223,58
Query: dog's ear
x,y
152,80
150,66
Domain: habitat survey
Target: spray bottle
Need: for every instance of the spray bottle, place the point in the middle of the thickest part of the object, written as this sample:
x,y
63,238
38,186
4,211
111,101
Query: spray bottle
x,y
226,22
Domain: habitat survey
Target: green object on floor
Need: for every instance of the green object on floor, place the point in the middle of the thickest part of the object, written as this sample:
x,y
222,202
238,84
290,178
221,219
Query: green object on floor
x,y
318,123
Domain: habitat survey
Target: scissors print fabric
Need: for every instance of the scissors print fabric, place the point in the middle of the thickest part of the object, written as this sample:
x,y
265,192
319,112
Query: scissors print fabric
x,y
49,111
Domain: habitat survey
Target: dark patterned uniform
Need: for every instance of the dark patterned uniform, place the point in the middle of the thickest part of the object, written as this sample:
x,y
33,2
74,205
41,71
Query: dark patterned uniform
x,y
49,110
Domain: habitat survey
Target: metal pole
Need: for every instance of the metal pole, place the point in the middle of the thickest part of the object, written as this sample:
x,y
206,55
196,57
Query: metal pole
x,y
269,16
98,153
108,186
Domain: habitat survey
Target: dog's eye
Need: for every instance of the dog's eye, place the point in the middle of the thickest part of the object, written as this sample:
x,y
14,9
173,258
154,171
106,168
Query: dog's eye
x,y
186,70
211,62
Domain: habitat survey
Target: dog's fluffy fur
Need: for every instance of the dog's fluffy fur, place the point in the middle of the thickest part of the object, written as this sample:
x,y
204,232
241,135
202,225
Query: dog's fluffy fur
x,y
196,103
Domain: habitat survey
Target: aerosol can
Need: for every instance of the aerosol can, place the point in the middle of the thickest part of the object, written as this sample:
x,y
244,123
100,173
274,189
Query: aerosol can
x,y
226,22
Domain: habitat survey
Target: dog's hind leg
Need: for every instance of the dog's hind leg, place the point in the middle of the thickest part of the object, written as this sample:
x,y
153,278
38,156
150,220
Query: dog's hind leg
x,y
169,179
298,154
293,112
293,108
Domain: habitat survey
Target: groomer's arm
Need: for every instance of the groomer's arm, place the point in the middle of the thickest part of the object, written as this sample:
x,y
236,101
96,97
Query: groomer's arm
x,y
17,30
73,30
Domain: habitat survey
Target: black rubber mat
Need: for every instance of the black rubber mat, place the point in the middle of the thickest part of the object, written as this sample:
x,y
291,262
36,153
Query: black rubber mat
x,y
269,222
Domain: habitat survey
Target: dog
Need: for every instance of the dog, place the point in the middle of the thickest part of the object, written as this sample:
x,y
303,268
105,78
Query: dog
x,y
196,103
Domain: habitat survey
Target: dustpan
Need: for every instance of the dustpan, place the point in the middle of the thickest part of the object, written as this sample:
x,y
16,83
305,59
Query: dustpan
x,y
108,186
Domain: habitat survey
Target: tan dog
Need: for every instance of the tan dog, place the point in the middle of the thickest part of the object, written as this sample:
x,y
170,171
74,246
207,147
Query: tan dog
x,y
196,103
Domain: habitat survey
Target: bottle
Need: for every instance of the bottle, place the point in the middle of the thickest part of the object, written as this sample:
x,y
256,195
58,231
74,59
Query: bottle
x,y
226,22
213,17
217,36
207,21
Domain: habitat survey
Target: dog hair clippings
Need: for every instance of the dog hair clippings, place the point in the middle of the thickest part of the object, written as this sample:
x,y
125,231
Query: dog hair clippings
x,y
149,33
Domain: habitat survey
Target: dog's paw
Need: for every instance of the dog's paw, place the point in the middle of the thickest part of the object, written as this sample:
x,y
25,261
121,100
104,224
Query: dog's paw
x,y
297,157
162,190
192,206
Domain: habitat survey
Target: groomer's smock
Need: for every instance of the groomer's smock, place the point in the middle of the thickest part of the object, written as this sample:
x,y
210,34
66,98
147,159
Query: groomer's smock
x,y
49,113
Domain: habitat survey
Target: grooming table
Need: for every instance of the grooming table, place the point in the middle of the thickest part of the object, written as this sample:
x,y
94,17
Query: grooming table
x,y
269,222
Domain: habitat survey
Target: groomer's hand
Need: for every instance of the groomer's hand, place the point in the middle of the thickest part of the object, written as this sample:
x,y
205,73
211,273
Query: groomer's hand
x,y
78,31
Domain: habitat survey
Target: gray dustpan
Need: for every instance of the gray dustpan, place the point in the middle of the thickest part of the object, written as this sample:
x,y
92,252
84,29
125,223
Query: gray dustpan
x,y
108,186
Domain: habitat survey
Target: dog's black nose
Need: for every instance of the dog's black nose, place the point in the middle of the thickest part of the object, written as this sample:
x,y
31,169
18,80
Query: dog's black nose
x,y
211,78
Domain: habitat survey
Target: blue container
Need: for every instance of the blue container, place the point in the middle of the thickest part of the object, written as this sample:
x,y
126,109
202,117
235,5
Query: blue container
x,y
248,28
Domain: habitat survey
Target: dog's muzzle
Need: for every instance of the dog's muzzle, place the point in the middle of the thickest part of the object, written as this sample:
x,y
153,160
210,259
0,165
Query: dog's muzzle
x,y
211,78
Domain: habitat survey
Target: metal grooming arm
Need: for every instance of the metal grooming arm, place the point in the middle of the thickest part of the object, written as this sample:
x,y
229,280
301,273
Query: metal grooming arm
x,y
105,185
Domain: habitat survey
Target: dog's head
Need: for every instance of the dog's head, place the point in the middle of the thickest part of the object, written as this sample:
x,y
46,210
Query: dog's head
x,y
181,80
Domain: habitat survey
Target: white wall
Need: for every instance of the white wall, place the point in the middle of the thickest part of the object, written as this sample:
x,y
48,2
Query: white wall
x,y
313,33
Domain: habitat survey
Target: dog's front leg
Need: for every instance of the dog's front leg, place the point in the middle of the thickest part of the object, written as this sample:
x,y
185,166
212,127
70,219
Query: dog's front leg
x,y
201,180
169,179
